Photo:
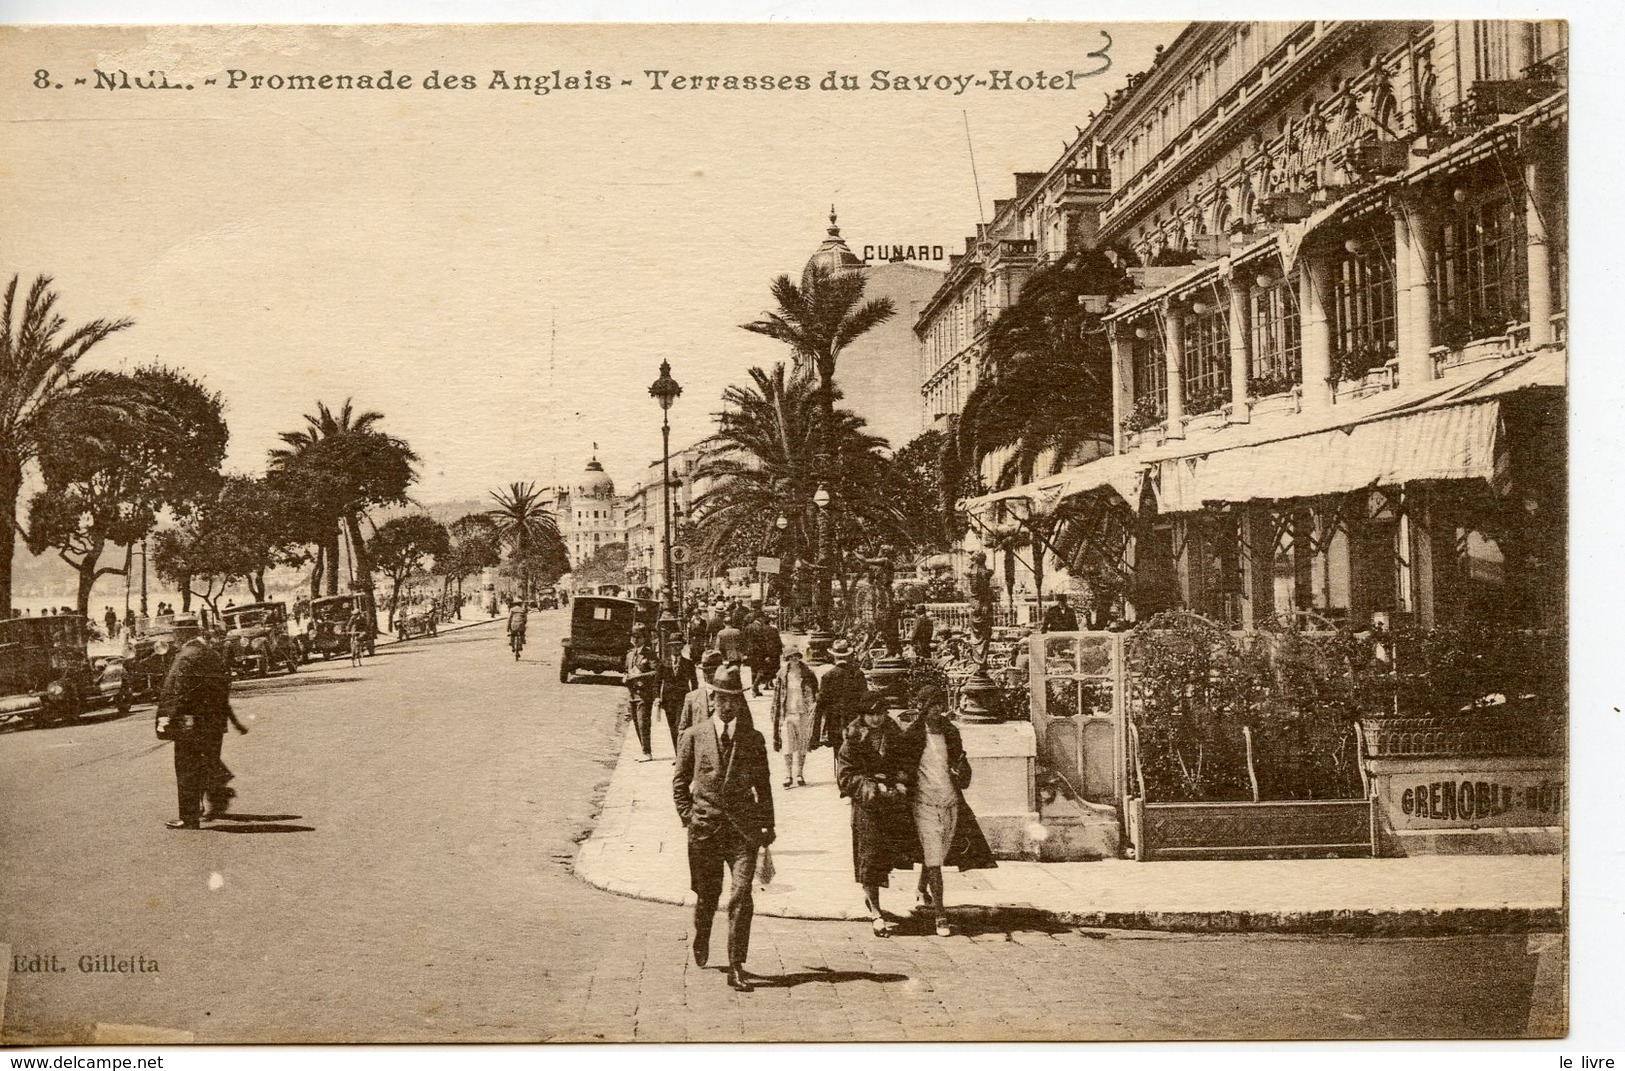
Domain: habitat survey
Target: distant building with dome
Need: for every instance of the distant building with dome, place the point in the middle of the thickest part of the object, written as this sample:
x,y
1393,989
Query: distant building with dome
x,y
588,513
878,374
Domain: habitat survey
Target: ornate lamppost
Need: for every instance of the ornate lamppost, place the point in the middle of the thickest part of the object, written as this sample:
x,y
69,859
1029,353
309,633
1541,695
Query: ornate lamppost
x,y
666,390
821,637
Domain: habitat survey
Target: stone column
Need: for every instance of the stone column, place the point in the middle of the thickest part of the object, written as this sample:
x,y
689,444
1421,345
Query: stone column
x,y
1413,289
1174,355
1314,297
1539,253
1122,379
1241,341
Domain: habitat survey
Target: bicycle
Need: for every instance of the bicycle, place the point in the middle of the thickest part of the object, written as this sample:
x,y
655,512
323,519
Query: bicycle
x,y
516,640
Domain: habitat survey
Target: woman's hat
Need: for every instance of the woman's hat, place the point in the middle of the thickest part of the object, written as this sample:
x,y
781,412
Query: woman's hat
x,y
711,659
792,653
840,649
727,681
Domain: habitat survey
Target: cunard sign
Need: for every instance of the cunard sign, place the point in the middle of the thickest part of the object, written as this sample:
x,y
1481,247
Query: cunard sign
x,y
873,253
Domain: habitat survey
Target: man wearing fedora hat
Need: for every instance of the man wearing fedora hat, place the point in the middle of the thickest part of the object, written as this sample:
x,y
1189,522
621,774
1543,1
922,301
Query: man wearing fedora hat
x,y
700,704
840,694
641,683
724,799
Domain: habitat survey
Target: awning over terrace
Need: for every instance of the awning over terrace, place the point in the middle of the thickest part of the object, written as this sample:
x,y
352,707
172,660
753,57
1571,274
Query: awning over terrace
x,y
1449,429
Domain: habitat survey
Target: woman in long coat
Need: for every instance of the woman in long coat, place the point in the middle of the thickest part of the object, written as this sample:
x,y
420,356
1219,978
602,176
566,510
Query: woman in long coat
x,y
795,705
947,830
873,768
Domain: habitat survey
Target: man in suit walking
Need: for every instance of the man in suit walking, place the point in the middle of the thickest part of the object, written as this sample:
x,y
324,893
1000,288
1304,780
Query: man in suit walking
x,y
725,801
194,709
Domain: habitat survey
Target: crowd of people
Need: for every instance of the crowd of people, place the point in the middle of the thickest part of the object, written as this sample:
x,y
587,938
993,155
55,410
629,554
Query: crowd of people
x,y
898,758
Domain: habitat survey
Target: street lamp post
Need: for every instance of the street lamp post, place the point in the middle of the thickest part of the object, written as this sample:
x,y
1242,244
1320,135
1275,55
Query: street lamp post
x,y
819,640
666,390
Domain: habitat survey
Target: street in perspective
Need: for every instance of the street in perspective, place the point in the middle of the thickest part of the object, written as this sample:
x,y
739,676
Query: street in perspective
x,y
1131,608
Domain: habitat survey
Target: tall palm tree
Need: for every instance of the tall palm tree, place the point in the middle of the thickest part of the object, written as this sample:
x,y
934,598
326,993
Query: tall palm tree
x,y
523,523
818,320
1046,382
37,359
759,466
347,464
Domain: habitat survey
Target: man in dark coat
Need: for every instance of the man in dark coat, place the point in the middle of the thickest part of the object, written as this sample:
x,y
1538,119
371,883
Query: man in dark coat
x,y
840,695
1060,617
731,642
677,678
194,709
697,636
763,650
923,633
724,799
642,682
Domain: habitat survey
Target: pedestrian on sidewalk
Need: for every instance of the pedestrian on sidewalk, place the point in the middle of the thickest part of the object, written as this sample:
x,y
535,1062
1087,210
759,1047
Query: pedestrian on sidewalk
x,y
923,632
795,703
947,830
358,634
725,801
840,692
642,680
731,642
764,648
194,708
696,633
676,680
873,768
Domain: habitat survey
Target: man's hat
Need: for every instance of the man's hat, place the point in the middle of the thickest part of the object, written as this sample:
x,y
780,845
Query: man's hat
x,y
640,629
727,681
840,649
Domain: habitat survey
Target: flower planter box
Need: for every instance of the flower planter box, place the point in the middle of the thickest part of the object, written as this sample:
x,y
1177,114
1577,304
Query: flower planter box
x,y
1244,830
1287,401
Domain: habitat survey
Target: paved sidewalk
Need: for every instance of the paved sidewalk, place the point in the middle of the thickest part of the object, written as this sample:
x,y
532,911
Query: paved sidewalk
x,y
638,849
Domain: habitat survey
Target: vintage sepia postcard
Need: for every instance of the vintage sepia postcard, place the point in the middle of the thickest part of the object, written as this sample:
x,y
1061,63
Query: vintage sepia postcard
x,y
739,533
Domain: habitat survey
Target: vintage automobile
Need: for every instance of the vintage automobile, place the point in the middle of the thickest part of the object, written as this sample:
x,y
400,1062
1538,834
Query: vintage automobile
x,y
257,639
45,674
416,623
330,624
600,635
147,654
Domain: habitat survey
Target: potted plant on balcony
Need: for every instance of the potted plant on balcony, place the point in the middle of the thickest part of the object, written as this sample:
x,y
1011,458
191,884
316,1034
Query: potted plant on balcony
x,y
1364,358
1147,413
1473,335
1206,400
1269,384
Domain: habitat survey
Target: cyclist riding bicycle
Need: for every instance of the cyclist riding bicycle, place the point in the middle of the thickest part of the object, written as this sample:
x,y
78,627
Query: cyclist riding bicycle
x,y
518,618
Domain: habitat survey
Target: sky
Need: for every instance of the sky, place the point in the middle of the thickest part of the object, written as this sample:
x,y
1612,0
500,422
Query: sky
x,y
499,272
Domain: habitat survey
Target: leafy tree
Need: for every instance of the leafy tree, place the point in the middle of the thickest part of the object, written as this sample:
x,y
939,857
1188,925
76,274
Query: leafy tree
x,y
606,566
1045,388
818,320
524,525
340,464
400,546
916,475
475,545
37,358
759,467
109,469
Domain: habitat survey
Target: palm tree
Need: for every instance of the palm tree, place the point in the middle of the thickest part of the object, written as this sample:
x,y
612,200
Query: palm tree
x,y
818,320
1046,382
37,359
345,464
523,523
759,466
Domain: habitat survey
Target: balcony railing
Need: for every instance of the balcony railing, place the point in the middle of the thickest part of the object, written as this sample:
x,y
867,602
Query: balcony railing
x,y
1087,179
978,323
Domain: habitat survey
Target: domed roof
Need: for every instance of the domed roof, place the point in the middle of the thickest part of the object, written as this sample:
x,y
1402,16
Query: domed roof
x,y
833,255
595,483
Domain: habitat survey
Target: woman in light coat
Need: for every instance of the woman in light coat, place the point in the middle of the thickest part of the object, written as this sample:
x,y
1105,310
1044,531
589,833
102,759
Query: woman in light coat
x,y
795,704
947,830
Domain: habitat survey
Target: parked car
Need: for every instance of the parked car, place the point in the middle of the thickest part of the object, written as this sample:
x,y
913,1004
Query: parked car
x,y
330,624
417,623
257,639
147,654
600,635
45,672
